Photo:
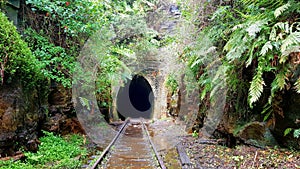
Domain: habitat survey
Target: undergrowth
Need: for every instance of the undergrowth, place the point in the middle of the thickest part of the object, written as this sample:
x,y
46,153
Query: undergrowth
x,y
54,152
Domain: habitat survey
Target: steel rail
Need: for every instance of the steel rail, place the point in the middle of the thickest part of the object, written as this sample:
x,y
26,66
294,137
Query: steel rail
x,y
160,161
110,145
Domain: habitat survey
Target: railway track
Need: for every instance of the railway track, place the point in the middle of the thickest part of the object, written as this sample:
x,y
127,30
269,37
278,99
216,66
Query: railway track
x,y
131,148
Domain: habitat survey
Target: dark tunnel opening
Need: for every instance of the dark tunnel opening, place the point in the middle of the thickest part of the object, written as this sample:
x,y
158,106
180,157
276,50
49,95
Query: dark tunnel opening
x,y
135,99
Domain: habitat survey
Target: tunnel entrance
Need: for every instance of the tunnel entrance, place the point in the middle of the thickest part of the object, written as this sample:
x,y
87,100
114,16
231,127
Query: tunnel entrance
x,y
135,99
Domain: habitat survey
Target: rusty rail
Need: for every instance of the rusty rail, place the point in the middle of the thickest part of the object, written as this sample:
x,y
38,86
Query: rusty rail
x,y
148,138
106,150
160,161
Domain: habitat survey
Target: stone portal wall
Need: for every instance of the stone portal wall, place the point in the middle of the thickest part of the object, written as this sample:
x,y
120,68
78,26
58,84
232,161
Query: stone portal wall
x,y
150,70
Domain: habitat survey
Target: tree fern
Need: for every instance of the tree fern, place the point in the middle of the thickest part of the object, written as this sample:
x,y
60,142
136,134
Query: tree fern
x,y
281,9
256,88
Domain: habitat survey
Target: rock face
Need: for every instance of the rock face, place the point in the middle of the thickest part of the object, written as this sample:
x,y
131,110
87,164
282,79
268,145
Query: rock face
x,y
256,133
62,116
20,117
23,115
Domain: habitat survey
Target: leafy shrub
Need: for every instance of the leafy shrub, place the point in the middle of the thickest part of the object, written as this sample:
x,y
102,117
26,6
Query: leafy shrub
x,y
54,152
10,164
17,61
56,63
54,149
74,17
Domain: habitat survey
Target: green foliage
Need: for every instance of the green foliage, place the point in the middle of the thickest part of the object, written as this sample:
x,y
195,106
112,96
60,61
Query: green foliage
x,y
281,9
56,63
171,83
73,17
195,134
121,40
262,37
256,88
56,149
17,61
61,29
296,132
54,152
297,85
257,45
11,164
287,131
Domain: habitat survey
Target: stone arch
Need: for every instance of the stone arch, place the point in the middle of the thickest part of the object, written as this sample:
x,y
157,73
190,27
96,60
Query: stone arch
x,y
155,81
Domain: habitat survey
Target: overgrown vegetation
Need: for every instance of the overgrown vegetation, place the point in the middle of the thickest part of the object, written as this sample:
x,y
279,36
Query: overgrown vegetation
x,y
258,45
255,43
54,152
17,61
56,32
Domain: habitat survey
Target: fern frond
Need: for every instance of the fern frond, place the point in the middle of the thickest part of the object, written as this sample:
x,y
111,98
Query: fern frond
x,y
281,9
297,85
249,61
291,49
255,28
256,88
280,80
284,27
237,45
234,40
292,39
267,46
236,52
260,41
84,102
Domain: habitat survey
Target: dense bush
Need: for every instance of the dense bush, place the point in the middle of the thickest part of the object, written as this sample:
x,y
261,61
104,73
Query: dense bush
x,y
54,152
17,62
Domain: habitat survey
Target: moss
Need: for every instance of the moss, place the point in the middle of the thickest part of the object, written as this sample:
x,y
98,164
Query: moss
x,y
17,62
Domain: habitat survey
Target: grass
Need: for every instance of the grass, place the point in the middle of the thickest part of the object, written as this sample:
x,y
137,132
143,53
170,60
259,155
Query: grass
x,y
54,152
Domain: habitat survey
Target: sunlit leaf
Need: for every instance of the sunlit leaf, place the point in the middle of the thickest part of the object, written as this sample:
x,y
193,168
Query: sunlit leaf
x,y
287,131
